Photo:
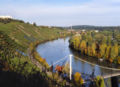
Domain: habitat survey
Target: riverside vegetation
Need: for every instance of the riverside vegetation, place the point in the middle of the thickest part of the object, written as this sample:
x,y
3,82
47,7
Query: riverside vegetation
x,y
101,45
16,68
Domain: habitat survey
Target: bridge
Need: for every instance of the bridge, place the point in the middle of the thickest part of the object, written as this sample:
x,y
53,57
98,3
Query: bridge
x,y
113,72
111,75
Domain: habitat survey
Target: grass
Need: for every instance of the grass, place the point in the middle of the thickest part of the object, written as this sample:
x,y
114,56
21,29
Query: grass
x,y
15,37
24,33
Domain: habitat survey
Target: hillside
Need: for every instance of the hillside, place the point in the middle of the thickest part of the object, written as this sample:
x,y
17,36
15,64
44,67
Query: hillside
x,y
16,68
25,33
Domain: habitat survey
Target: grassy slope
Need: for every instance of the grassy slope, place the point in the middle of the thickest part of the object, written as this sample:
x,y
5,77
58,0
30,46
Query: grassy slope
x,y
24,33
13,65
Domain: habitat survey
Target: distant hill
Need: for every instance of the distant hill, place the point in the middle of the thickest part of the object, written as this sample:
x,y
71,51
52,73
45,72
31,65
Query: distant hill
x,y
90,27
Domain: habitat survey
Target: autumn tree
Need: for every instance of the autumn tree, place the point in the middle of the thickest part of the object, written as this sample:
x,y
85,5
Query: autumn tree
x,y
78,79
100,45
102,50
83,46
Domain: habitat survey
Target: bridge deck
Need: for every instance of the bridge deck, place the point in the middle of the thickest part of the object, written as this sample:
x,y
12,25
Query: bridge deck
x,y
111,75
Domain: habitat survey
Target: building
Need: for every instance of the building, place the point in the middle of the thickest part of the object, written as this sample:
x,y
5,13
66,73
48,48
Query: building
x,y
96,31
6,17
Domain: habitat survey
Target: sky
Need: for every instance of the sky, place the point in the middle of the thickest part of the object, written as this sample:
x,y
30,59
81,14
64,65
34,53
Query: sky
x,y
64,12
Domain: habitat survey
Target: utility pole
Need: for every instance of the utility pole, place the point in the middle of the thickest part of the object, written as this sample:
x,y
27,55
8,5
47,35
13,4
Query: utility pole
x,y
71,27
70,66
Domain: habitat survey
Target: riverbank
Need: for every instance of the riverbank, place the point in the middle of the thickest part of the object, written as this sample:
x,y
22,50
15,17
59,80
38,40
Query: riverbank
x,y
56,50
98,47
95,61
15,38
25,33
43,65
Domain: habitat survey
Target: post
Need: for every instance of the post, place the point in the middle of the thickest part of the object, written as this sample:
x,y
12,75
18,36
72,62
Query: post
x,y
70,67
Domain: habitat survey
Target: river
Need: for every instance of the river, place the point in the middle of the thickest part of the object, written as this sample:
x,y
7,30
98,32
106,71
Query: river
x,y
54,50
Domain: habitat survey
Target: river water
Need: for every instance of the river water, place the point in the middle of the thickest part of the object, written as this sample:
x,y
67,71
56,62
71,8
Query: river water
x,y
55,50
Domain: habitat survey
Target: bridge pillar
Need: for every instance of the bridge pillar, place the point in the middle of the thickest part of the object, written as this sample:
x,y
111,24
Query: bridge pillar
x,y
114,81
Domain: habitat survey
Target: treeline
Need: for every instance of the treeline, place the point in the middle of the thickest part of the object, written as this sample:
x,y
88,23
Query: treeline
x,y
8,20
90,27
105,45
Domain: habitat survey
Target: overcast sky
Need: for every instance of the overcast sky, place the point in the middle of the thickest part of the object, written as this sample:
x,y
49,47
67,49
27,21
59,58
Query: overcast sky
x,y
64,12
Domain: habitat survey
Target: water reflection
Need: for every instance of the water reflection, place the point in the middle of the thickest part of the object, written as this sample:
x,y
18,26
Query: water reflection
x,y
57,49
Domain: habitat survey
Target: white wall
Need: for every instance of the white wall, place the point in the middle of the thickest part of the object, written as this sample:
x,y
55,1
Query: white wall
x,y
6,17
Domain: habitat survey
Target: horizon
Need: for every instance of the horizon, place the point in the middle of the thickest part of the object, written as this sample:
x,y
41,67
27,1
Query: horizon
x,y
64,13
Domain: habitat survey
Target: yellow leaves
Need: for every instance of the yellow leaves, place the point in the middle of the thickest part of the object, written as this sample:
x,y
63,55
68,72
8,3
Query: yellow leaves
x,y
111,60
81,81
83,46
31,46
43,61
89,51
77,42
116,49
36,55
99,46
77,76
107,53
56,76
102,50
78,79
93,49
100,81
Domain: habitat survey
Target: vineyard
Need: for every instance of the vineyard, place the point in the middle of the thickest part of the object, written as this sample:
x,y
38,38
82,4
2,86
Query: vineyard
x,y
16,68
25,33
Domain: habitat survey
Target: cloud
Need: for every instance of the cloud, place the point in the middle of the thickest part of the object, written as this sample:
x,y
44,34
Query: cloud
x,y
95,12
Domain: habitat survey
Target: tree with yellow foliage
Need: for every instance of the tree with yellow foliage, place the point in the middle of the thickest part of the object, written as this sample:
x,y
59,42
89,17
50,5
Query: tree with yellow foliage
x,y
102,50
107,53
100,81
99,45
78,79
114,52
93,49
83,46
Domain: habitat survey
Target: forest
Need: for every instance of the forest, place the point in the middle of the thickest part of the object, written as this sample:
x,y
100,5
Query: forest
x,y
104,44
